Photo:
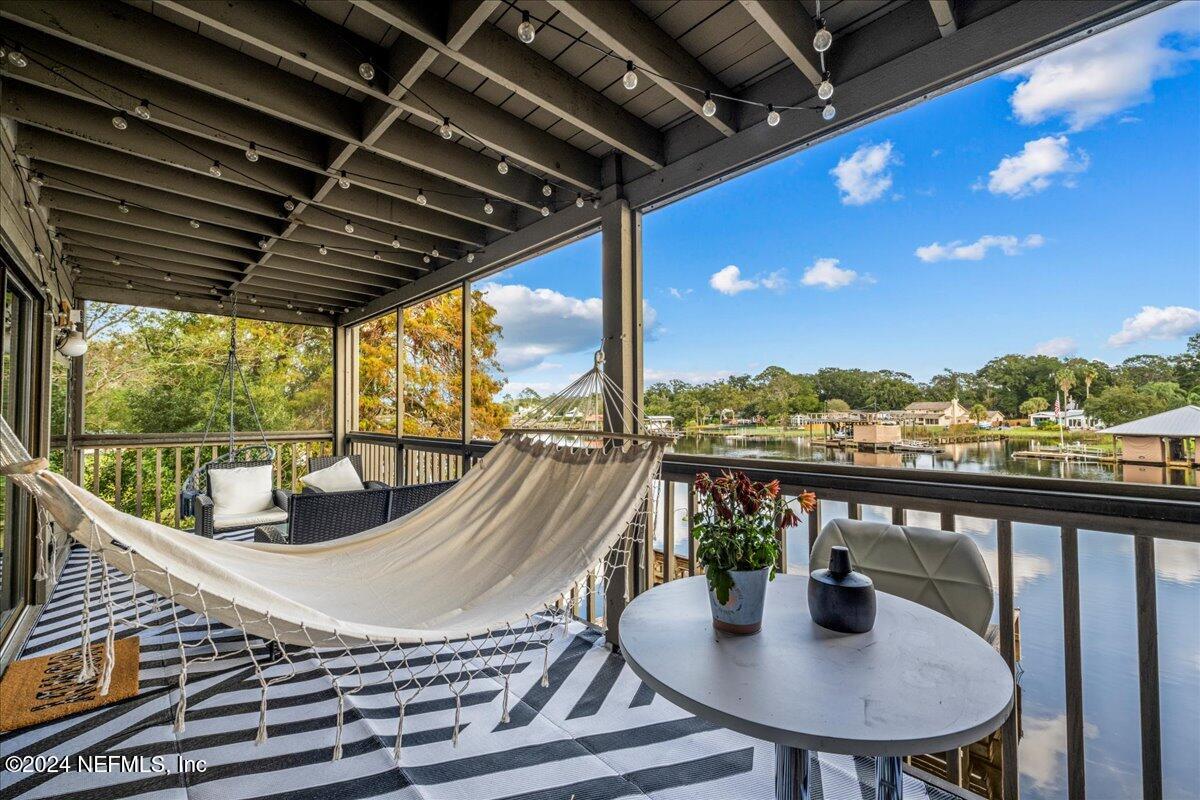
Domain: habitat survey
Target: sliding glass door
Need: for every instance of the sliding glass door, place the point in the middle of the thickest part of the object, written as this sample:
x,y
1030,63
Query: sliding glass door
x,y
16,378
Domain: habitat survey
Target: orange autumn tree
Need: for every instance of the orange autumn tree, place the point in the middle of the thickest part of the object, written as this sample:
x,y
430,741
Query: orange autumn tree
x,y
432,370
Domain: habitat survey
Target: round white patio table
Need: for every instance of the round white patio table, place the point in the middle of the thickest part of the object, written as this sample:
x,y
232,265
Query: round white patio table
x,y
919,682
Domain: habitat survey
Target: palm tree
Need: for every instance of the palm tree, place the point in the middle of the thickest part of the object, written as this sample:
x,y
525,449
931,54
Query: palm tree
x,y
1089,375
1065,378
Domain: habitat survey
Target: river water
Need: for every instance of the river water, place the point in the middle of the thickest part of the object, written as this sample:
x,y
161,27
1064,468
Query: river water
x,y
1108,619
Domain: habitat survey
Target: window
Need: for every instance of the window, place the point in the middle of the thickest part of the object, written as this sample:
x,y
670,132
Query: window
x,y
375,341
16,368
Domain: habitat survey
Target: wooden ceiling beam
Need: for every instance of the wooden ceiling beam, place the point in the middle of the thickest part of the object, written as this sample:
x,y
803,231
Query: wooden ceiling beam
x,y
501,58
274,294
138,216
112,293
623,28
792,30
308,40
943,13
89,258
100,249
66,221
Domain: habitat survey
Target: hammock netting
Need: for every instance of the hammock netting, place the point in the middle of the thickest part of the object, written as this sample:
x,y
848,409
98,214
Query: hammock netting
x,y
454,592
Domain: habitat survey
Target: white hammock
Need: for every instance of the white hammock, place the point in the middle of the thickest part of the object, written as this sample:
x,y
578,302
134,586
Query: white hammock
x,y
460,578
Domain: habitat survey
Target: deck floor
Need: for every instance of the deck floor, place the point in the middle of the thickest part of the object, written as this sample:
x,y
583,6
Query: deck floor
x,y
597,732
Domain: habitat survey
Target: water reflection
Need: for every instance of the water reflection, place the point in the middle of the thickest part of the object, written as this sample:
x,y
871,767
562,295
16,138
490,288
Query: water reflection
x,y
996,456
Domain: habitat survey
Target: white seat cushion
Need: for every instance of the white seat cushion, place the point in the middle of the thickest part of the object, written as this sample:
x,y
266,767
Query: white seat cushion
x,y
338,477
241,490
250,519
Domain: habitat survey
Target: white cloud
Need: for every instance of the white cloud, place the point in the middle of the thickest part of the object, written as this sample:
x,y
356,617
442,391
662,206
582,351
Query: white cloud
x,y
728,280
1104,74
864,176
826,273
1057,347
537,324
1152,322
1033,169
978,249
688,376
1045,739
678,294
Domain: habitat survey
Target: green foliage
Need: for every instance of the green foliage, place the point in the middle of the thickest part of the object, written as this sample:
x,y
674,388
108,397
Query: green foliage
x,y
837,404
1033,405
979,412
738,526
1119,404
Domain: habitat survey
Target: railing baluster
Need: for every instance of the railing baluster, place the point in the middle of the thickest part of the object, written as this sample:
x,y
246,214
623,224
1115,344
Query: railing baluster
x,y
898,515
947,521
853,510
1147,630
668,531
814,527
691,512
117,478
137,482
175,484
96,471
295,476
1010,776
158,485
1073,664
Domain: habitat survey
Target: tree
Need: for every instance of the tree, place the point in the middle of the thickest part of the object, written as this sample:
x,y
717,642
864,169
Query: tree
x,y
1033,406
1168,393
979,412
1090,374
1118,404
1065,378
837,405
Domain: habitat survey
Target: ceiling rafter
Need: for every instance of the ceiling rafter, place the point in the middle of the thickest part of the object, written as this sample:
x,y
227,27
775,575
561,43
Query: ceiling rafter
x,y
943,13
792,30
624,29
114,293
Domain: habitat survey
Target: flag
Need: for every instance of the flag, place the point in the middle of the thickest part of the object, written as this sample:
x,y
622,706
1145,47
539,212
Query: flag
x,y
1057,407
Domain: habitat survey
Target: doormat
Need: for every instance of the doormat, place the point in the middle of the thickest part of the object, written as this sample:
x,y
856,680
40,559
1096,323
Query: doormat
x,y
42,689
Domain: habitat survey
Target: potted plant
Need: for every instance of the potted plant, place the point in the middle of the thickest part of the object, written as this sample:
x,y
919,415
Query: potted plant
x,y
737,530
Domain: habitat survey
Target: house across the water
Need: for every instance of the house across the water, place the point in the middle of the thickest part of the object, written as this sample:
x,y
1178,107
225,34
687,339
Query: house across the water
x,y
1166,438
944,413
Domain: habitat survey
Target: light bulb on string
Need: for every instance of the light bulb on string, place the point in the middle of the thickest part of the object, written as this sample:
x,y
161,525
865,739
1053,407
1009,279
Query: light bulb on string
x,y
470,258
220,304
37,179
119,122
348,227
252,153
445,130
828,112
167,277
17,59
367,70
28,206
128,284
825,88
547,190
395,242
630,79
545,211
434,252
124,209
212,290
823,39
323,250
195,223
215,169
421,198
253,299
262,244
38,254
375,255
579,201
142,109
343,180
116,261
289,204
772,116
426,259
487,207
502,166
525,31
290,306
710,106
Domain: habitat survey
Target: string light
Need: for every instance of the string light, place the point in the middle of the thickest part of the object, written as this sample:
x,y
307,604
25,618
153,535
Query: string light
x,y
445,130
487,207
434,252
177,297
470,258
212,290
289,204
124,209
28,206
545,210
547,190
142,109
823,39
772,116
825,88
220,304
119,122
343,181
426,259
421,198
167,277
525,31
367,70
262,243
17,59
38,254
290,306
195,223
710,106
251,153
502,166
629,81
828,112
37,179
128,284
348,227
323,250
215,169
376,256
579,201
253,299
396,242
116,261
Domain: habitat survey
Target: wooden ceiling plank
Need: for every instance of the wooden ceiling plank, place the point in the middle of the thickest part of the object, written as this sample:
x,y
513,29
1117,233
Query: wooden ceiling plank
x,y
104,293
624,29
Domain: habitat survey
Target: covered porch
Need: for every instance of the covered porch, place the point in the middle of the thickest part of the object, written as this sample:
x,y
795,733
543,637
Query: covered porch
x,y
334,163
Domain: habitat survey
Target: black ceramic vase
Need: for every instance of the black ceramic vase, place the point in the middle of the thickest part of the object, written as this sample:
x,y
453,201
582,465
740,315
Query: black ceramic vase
x,y
839,598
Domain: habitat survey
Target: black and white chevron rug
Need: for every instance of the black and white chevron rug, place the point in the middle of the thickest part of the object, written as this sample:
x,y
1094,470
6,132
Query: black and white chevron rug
x,y
596,733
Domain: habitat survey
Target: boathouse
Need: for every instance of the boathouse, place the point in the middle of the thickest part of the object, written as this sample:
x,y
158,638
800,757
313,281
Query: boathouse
x,y
1166,438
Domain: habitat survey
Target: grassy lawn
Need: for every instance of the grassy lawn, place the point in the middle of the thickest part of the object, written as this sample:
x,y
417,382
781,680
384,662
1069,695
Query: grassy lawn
x,y
1038,434
752,430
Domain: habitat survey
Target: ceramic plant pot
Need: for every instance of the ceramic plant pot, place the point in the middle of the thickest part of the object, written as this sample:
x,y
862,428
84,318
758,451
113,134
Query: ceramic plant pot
x,y
743,612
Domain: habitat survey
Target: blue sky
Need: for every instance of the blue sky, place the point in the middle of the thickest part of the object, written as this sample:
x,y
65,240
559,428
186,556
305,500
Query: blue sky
x,y
1052,209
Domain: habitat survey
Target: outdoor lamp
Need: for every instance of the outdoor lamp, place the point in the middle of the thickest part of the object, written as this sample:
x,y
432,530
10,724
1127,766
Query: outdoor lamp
x,y
73,344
